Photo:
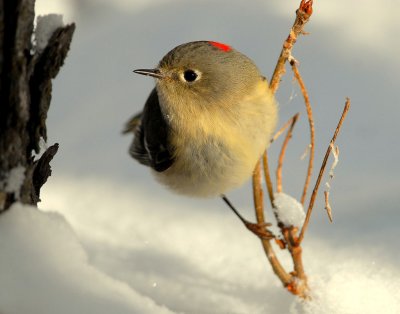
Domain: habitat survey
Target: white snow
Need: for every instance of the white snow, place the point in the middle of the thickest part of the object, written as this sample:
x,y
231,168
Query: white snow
x,y
131,253
45,27
289,211
190,259
45,270
353,286
15,180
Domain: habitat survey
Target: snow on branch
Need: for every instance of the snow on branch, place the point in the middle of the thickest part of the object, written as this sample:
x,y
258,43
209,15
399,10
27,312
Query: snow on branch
x,y
288,210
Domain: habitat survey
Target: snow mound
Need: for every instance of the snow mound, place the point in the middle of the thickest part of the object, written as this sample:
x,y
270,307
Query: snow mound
x,y
148,242
353,287
45,270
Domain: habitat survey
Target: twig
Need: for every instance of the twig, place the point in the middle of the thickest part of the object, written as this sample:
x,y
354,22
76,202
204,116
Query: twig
x,y
302,16
282,129
299,286
277,267
267,177
267,174
321,172
312,130
282,154
335,153
258,194
289,280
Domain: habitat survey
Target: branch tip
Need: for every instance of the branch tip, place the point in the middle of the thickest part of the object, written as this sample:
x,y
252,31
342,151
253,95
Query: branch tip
x,y
306,6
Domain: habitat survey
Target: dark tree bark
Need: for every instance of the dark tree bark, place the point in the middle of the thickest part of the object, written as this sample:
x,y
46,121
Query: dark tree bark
x,y
25,94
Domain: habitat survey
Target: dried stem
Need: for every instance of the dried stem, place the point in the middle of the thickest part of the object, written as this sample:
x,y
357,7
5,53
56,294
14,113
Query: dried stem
x,y
299,286
267,177
282,129
312,129
321,172
296,287
282,154
302,16
258,194
267,174
277,267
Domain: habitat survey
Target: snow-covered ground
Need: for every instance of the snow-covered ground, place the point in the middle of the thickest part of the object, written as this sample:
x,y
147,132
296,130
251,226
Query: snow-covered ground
x,y
129,254
108,239
45,269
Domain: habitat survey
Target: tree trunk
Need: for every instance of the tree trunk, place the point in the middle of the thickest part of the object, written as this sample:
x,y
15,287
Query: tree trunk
x,y
25,94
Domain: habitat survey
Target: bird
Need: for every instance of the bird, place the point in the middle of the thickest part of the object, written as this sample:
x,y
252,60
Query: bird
x,y
207,121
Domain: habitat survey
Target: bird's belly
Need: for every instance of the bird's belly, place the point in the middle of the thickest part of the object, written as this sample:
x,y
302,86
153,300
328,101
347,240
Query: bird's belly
x,y
209,169
217,150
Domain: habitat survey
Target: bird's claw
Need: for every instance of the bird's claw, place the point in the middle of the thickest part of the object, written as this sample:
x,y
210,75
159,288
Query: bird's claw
x,y
260,230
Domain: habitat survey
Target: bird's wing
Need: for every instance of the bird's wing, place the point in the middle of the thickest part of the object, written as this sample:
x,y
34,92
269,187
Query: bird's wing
x,y
133,123
150,146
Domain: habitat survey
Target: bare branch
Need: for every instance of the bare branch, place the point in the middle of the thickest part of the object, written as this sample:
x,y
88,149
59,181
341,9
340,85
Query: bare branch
x,y
267,177
282,154
303,14
312,129
297,287
277,267
283,128
321,172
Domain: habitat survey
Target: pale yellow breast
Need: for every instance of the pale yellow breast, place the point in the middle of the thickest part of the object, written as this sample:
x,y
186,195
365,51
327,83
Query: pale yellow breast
x,y
216,149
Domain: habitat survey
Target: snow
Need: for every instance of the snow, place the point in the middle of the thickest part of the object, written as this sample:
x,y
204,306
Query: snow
x,y
187,258
15,180
45,269
289,211
354,287
117,250
45,27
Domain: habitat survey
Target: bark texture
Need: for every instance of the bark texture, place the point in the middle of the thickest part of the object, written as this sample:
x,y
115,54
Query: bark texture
x,y
25,95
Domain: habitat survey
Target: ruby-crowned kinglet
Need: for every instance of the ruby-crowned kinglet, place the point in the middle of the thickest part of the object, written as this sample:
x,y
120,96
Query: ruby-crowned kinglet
x,y
207,121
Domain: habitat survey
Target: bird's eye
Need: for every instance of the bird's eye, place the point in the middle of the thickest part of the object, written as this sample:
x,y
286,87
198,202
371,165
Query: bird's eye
x,y
190,75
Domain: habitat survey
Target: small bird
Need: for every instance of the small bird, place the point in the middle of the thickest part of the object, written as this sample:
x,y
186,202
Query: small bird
x,y
207,122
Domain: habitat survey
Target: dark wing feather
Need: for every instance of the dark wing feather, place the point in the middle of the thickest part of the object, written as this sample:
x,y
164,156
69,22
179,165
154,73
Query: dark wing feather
x,y
150,146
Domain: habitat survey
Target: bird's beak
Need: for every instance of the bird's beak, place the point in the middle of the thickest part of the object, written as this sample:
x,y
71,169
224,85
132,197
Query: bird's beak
x,y
150,72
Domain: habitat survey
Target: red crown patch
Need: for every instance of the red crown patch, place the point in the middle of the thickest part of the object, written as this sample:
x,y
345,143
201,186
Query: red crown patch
x,y
220,46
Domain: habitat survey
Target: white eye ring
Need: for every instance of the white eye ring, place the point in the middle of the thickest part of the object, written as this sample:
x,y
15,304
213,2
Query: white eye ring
x,y
190,76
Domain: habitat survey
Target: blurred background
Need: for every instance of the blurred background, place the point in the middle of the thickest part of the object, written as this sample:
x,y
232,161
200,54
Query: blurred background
x,y
351,51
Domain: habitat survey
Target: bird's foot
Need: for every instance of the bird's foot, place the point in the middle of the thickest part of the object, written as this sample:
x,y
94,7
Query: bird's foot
x,y
260,230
